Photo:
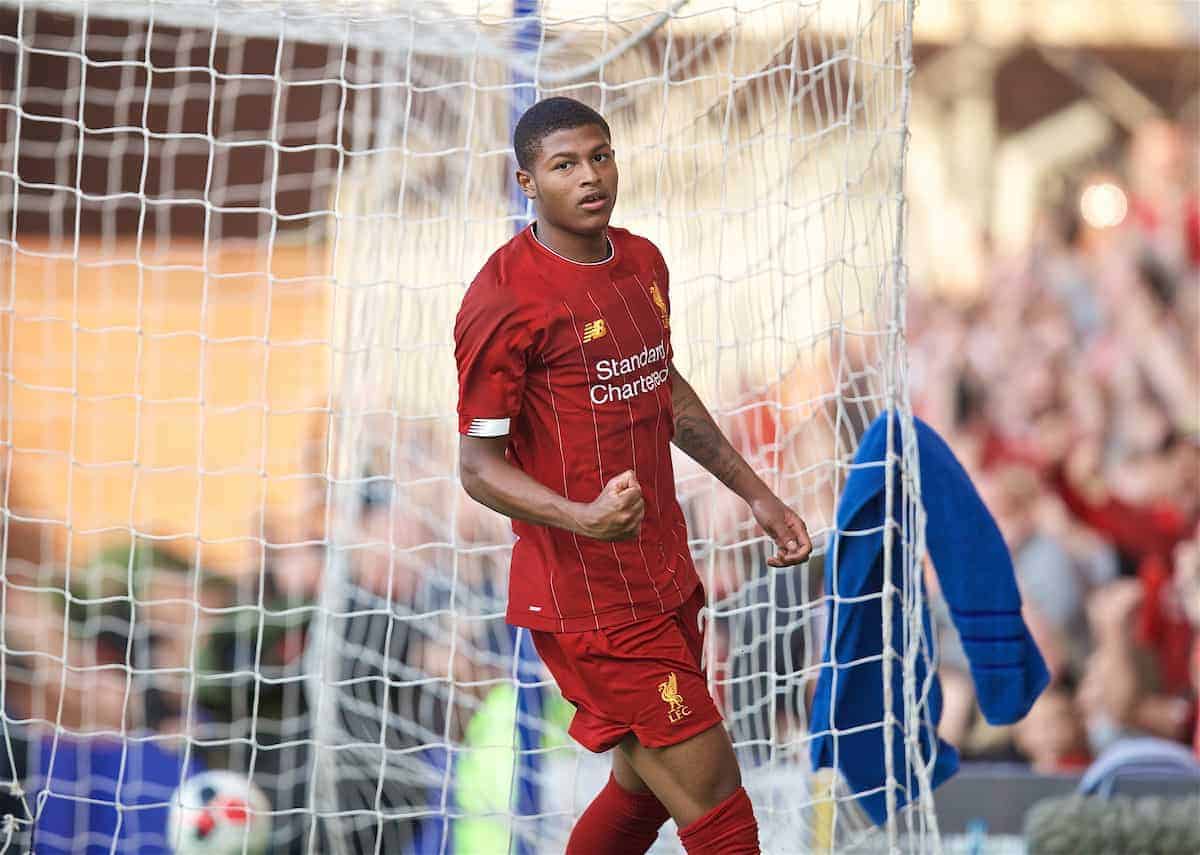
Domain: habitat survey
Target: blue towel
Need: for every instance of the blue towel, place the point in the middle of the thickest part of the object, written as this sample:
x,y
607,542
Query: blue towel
x,y
976,576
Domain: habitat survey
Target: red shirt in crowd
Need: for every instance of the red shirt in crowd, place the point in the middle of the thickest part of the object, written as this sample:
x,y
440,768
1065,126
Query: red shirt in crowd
x,y
572,362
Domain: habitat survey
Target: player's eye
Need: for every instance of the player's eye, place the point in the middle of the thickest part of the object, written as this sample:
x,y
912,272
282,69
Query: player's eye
x,y
562,164
603,155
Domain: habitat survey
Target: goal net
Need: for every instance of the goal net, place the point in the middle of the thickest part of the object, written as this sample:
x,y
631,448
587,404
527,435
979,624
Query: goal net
x,y
233,239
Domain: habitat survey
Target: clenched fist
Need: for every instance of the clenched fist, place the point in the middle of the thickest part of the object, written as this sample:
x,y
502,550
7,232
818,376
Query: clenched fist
x,y
616,514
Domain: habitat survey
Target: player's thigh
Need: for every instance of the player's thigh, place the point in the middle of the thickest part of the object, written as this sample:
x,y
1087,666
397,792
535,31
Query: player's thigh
x,y
626,775
691,777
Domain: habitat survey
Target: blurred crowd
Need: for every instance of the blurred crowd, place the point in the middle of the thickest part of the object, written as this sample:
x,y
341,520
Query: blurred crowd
x,y
1069,385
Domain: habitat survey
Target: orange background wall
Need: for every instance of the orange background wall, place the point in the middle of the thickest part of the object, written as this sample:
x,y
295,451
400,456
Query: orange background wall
x,y
182,397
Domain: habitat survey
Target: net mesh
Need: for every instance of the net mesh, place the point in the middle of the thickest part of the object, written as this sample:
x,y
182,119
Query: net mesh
x,y
234,237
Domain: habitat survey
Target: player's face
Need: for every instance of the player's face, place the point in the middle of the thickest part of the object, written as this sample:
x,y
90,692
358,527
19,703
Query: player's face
x,y
573,182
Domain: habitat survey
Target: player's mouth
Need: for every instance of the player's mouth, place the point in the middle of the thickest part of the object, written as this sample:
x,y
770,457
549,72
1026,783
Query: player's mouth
x,y
594,201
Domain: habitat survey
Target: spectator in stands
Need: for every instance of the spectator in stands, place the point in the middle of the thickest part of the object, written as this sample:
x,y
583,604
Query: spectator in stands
x,y
111,673
1187,585
1069,389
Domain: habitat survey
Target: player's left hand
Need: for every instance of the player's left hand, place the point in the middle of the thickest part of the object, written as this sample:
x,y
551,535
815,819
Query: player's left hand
x,y
784,527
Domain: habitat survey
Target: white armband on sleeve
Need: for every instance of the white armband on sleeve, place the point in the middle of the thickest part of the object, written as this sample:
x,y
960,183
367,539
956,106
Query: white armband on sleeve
x,y
488,427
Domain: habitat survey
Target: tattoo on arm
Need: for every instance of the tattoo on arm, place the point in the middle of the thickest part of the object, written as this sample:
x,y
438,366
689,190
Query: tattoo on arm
x,y
697,435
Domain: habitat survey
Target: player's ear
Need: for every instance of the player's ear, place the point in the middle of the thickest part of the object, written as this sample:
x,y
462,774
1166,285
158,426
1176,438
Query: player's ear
x,y
525,182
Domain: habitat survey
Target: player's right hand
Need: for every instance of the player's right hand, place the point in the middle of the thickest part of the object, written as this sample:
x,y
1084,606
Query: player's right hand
x,y
616,514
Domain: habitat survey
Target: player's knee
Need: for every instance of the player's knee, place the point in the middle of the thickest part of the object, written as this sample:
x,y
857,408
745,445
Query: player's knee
x,y
725,783
704,791
714,782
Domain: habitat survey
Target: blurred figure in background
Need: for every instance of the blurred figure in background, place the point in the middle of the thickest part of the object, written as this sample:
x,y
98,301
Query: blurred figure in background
x,y
1069,387
110,668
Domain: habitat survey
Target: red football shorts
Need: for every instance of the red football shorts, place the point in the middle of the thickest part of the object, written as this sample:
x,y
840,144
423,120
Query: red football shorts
x,y
643,677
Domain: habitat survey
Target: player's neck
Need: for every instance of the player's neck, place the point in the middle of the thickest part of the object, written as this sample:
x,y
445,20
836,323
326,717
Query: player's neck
x,y
585,249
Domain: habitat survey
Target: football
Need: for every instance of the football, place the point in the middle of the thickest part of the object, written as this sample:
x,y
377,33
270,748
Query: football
x,y
219,813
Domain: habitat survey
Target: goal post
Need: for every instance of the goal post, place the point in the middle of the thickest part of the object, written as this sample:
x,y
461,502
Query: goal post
x,y
233,238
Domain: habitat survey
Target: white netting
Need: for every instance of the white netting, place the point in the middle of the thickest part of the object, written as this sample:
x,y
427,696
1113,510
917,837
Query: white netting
x,y
235,235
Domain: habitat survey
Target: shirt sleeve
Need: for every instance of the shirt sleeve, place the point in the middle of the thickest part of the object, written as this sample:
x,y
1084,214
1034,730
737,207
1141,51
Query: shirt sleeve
x,y
494,338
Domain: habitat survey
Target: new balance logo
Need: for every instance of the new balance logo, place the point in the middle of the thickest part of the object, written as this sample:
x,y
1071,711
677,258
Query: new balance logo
x,y
593,330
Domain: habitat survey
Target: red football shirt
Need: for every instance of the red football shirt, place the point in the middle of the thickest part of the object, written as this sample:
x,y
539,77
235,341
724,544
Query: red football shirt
x,y
572,362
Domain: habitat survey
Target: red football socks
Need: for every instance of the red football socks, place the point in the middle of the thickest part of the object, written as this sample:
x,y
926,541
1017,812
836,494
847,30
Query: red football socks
x,y
618,821
727,829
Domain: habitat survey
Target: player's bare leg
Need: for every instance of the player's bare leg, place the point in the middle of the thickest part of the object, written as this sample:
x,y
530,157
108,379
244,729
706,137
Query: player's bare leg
x,y
625,774
699,783
690,778
623,818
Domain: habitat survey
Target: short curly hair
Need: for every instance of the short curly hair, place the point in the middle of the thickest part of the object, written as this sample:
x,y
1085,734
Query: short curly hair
x,y
546,117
